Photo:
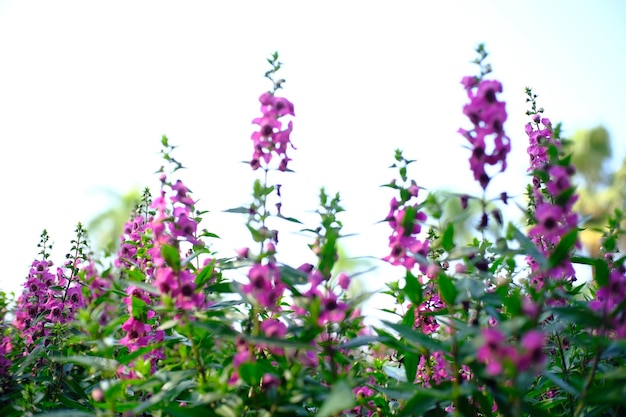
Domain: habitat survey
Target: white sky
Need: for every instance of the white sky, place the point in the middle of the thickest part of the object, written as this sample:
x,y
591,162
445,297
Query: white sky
x,y
88,88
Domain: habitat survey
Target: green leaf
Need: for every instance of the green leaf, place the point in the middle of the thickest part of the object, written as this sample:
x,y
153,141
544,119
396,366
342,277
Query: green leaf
x,y
72,404
222,287
292,276
136,275
206,233
139,307
256,235
168,324
563,248
260,189
240,210
176,410
205,275
197,252
360,341
608,394
578,314
66,413
416,338
601,270
285,343
447,240
413,288
532,410
289,219
610,243
411,361
94,362
171,256
562,384
250,373
225,304
149,288
601,273
447,289
615,374
340,398
217,328
527,245
409,317
32,356
424,400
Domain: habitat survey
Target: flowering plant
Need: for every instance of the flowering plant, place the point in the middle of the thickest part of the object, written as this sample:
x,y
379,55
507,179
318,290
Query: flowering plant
x,y
499,325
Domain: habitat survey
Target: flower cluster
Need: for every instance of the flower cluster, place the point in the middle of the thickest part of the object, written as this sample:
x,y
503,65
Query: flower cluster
x,y
171,226
140,330
609,300
264,285
488,142
320,300
498,354
163,332
133,243
406,218
551,198
425,322
47,298
6,346
271,138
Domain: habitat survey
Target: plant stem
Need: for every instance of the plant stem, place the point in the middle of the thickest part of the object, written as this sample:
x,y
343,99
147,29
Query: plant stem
x,y
588,382
196,353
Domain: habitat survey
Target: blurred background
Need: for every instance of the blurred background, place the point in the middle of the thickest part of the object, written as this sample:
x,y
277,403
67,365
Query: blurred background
x,y
87,89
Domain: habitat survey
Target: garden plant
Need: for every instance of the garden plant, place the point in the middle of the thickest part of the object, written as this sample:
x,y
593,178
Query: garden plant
x,y
499,325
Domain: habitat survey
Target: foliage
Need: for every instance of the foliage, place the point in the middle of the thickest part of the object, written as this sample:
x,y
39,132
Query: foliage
x,y
493,324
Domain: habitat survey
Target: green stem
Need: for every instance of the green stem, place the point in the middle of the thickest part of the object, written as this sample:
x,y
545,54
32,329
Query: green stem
x,y
456,371
565,371
196,353
588,382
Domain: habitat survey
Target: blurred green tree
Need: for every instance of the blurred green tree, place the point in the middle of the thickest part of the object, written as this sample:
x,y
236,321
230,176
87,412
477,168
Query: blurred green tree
x,y
106,228
601,190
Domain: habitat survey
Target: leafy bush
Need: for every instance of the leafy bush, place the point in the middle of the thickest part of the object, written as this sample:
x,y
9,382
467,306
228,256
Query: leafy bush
x,y
496,326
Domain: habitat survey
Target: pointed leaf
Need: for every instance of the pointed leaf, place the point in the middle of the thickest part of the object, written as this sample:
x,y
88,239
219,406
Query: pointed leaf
x,y
527,245
413,289
411,361
340,398
240,210
447,240
416,338
447,289
289,219
563,248
171,256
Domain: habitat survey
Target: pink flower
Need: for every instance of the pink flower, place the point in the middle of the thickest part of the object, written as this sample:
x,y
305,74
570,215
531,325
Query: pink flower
x,y
271,138
264,285
548,223
488,115
166,280
492,352
532,355
332,310
136,334
187,298
343,280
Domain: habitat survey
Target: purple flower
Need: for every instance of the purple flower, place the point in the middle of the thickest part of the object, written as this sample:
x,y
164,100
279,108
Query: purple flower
x,y
532,355
136,334
548,222
270,139
264,285
488,115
